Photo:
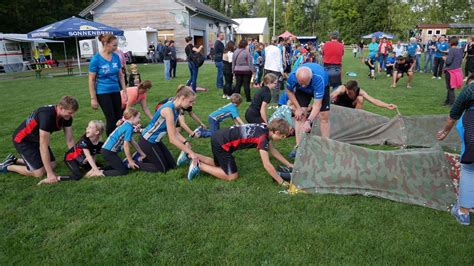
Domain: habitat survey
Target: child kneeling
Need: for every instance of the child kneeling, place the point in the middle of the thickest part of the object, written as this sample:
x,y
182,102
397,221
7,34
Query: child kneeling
x,y
224,142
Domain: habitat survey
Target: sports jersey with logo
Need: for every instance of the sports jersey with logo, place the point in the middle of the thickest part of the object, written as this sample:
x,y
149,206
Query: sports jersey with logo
x,y
44,118
156,129
229,110
114,142
243,137
77,152
318,83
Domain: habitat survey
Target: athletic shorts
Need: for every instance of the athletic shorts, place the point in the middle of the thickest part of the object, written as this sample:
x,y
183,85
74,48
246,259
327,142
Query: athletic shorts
x,y
30,153
304,99
223,158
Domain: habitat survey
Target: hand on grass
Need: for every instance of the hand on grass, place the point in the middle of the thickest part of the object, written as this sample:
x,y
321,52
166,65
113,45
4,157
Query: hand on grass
x,y
132,164
49,180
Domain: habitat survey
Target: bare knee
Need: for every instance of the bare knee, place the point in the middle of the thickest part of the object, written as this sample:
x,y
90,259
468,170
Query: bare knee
x,y
38,172
324,117
232,177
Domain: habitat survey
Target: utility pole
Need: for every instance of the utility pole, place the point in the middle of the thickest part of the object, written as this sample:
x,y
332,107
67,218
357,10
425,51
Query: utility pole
x,y
274,16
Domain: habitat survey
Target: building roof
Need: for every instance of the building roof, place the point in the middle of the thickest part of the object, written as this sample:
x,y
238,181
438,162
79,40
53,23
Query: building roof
x,y
193,5
205,10
250,25
432,26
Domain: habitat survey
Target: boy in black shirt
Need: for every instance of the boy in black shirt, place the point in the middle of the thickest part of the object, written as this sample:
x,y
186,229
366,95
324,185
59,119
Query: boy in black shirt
x,y
31,140
403,65
224,142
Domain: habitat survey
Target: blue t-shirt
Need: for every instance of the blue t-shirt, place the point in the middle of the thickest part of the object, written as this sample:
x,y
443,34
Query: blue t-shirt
x,y
157,129
107,73
441,46
226,111
318,83
283,100
115,140
373,49
391,60
411,49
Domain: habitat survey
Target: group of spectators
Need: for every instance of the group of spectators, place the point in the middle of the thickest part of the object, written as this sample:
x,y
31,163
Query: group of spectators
x,y
166,54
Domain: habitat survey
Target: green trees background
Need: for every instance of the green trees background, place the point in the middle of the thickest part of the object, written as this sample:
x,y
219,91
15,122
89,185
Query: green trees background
x,y
302,17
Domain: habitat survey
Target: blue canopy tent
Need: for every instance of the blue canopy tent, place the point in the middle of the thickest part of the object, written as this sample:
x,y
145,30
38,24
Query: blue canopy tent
x,y
74,27
378,35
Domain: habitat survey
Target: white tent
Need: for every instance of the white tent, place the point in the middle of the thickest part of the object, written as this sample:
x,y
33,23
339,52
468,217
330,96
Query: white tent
x,y
252,27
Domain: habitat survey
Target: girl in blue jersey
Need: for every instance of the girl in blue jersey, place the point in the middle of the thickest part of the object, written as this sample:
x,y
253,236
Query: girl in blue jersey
x,y
120,138
158,157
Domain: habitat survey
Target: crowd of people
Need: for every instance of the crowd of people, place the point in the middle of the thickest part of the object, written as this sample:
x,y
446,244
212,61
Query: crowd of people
x,y
292,77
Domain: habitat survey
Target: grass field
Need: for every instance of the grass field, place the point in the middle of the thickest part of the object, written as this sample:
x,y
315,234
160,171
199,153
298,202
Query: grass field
x,y
146,218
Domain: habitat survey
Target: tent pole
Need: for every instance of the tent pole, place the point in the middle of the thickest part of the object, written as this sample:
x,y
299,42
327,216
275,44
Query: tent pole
x,y
65,54
78,59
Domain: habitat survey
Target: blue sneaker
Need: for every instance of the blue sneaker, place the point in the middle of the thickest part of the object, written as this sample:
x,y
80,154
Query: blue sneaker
x,y
462,218
125,163
136,157
193,171
9,160
292,153
182,159
196,133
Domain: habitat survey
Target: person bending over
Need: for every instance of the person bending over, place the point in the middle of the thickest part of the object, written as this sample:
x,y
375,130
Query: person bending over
x,y
402,66
351,96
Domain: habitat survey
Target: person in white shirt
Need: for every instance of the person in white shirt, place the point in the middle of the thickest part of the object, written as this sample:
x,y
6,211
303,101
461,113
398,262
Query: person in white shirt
x,y
399,50
274,64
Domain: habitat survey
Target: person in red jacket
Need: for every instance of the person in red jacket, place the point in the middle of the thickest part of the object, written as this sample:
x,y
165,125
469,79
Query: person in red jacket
x,y
332,59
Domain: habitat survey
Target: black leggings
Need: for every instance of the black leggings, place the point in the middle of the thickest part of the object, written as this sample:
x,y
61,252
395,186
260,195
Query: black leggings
x,y
173,69
438,66
229,78
111,105
76,170
253,117
158,157
243,79
114,166
450,95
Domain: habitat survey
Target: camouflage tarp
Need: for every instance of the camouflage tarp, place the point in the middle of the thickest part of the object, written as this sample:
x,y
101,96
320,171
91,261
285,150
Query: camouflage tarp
x,y
416,176
362,127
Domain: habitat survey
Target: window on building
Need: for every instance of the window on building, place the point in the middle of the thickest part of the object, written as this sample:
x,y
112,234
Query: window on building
x,y
438,32
165,35
430,32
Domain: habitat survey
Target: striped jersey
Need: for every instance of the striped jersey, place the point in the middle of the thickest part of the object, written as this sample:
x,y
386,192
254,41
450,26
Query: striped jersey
x,y
114,142
226,111
156,129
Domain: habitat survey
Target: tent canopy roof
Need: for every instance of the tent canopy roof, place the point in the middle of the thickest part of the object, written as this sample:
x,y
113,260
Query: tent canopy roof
x,y
24,38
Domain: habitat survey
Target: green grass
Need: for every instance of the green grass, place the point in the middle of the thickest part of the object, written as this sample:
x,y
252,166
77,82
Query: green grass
x,y
146,218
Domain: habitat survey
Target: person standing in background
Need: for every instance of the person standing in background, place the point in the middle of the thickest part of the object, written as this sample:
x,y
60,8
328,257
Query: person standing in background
x,y
173,62
429,53
332,59
218,53
440,51
167,59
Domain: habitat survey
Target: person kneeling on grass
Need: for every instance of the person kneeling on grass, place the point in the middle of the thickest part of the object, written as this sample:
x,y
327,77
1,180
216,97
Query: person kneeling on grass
x,y
351,96
120,138
226,141
403,65
159,159
31,140
221,114
81,157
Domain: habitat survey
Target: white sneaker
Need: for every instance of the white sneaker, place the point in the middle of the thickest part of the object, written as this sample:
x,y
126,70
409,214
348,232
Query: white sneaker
x,y
439,77
433,77
224,96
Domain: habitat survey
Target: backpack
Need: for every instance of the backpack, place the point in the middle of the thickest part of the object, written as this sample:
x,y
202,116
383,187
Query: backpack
x,y
197,58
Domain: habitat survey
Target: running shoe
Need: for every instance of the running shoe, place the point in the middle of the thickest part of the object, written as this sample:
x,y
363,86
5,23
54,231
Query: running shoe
x,y
196,133
182,159
193,170
409,86
433,77
439,77
285,176
136,156
292,153
9,160
462,218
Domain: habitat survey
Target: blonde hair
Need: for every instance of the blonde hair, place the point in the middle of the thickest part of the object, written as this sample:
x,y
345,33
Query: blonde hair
x,y
184,91
145,85
69,103
129,113
236,98
99,125
269,78
106,38
280,125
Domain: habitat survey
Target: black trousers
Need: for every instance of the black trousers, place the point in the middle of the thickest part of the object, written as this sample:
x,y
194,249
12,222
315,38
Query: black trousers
x,y
253,117
111,105
76,170
229,79
158,157
389,70
114,165
173,68
243,79
450,95
469,66
438,66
